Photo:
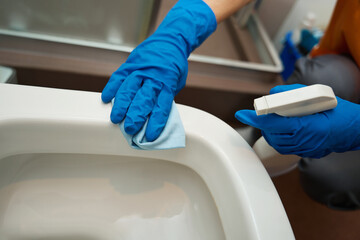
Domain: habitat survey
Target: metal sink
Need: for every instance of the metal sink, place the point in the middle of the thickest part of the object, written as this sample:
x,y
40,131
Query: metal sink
x,y
90,38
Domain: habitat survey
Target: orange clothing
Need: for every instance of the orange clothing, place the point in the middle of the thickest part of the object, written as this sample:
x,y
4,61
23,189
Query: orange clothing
x,y
342,36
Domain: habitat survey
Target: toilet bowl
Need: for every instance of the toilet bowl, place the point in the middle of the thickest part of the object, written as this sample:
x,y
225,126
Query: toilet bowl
x,y
66,172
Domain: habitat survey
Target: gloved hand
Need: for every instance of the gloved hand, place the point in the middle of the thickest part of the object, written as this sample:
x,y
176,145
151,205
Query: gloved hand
x,y
146,84
316,135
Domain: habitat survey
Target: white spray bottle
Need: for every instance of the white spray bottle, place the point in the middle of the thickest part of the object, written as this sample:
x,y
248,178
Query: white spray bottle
x,y
298,102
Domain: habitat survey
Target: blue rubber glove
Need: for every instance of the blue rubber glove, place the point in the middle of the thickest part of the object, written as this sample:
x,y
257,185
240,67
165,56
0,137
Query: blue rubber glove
x,y
316,135
146,84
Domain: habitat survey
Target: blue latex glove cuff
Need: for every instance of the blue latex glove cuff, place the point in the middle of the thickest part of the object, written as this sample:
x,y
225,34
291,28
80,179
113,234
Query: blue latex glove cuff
x,y
316,135
146,84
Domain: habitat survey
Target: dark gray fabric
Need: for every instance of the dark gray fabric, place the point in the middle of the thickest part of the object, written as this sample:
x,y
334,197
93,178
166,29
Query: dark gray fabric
x,y
335,179
337,71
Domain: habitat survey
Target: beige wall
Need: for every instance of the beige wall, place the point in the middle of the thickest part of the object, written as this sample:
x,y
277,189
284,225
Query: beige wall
x,y
273,14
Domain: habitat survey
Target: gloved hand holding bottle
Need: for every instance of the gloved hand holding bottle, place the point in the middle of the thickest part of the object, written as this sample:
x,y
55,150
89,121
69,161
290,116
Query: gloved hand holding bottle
x,y
146,84
316,135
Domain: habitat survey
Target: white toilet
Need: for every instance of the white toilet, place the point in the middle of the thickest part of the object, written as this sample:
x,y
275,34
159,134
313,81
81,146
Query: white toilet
x,y
66,172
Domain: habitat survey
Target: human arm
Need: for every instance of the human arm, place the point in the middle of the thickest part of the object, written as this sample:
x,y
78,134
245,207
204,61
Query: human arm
x,y
225,8
146,84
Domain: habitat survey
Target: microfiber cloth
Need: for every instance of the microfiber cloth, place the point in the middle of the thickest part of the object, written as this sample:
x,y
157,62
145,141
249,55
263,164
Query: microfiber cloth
x,y
173,135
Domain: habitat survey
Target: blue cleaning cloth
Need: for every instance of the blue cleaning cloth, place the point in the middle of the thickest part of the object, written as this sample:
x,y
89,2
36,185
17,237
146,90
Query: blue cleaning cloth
x,y
173,135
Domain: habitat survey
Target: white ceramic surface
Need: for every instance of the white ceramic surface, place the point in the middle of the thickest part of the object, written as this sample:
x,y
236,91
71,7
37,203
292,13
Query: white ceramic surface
x,y
74,196
66,172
